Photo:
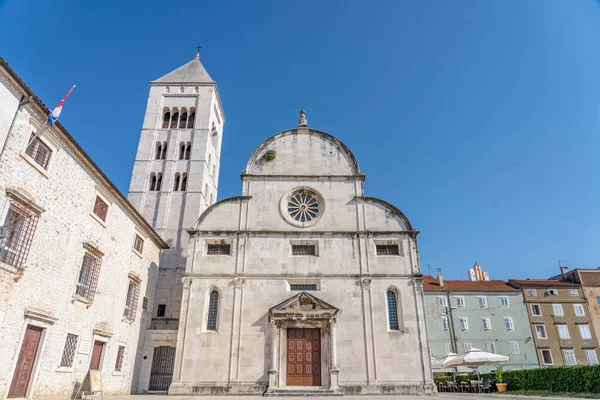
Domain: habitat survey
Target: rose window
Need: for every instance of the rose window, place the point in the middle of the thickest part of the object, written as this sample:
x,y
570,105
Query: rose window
x,y
303,206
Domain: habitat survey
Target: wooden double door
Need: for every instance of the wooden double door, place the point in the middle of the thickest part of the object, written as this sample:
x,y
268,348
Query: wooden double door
x,y
303,357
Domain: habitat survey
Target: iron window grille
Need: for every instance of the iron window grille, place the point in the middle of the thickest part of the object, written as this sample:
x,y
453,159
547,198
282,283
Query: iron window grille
x,y
213,309
161,311
38,151
303,287
119,362
69,351
218,249
304,250
20,227
88,276
100,208
133,291
145,304
138,243
392,310
387,249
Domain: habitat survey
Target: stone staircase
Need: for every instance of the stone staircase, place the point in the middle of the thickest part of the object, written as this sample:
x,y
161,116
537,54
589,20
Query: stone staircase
x,y
303,392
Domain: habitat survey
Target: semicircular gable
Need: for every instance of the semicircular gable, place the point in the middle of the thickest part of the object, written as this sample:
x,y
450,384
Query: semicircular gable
x,y
223,215
381,215
302,152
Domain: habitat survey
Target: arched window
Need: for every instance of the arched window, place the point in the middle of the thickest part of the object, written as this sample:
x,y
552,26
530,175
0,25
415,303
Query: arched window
x,y
158,182
214,135
192,118
188,150
152,182
214,170
175,118
183,182
213,311
392,304
211,198
163,156
158,150
206,190
177,179
183,118
166,118
209,159
181,150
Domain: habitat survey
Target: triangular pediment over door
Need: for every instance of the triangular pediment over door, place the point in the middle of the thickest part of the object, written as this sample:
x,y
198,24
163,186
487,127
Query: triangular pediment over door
x,y
303,306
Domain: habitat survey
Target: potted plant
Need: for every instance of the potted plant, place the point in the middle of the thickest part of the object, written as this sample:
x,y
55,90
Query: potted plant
x,y
500,379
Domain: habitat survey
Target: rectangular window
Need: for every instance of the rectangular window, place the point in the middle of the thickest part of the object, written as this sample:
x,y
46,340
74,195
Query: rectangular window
x,y
574,292
584,331
145,304
387,249
579,312
553,292
303,287
531,292
138,243
445,326
161,311
503,300
464,323
592,357
119,361
541,332
17,235
563,331
460,302
88,276
218,249
100,208
598,300
447,348
482,301
558,310
38,151
69,350
547,356
486,324
441,301
513,348
570,357
133,292
304,250
490,347
536,310
509,324
467,346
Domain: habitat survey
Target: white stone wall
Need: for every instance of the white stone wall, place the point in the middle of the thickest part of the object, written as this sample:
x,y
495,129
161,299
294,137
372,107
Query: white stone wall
x,y
9,101
66,192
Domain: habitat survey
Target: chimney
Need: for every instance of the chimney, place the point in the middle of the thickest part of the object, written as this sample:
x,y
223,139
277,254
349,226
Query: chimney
x,y
440,280
563,271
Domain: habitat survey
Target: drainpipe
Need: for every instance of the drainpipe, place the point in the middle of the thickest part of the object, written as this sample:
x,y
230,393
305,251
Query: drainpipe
x,y
451,324
22,103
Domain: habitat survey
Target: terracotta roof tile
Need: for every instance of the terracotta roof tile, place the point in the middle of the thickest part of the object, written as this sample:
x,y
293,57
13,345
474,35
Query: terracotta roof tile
x,y
430,284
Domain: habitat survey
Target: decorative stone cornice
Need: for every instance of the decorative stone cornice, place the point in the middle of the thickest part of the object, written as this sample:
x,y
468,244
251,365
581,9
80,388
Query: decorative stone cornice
x,y
239,282
40,315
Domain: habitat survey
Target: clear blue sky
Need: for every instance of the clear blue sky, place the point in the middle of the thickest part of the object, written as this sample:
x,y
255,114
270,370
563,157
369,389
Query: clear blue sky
x,y
479,119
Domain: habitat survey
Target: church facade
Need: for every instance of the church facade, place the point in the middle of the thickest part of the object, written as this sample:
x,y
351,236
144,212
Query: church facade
x,y
302,282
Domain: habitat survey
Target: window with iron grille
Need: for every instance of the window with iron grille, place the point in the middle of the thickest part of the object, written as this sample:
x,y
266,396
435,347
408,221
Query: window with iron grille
x,y
161,310
119,362
88,276
19,228
100,208
69,351
304,250
219,249
133,291
213,310
392,310
387,250
145,304
303,287
38,151
138,243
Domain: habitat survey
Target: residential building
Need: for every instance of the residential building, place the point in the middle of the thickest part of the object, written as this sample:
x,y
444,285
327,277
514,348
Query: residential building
x,y
486,314
78,263
561,323
302,282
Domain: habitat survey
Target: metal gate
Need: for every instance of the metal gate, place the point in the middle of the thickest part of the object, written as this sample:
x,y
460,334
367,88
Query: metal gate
x,y
161,373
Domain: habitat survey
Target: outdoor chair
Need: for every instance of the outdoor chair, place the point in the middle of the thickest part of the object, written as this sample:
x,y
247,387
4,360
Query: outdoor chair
x,y
475,386
486,385
449,386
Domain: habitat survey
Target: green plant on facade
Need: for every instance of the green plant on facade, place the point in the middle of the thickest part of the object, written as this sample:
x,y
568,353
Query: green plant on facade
x,y
500,374
270,155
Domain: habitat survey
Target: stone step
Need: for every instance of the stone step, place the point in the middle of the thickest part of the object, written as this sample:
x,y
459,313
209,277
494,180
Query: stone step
x,y
302,393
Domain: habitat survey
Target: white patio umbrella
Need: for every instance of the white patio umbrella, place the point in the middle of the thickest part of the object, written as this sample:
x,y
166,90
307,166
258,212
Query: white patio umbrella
x,y
438,363
475,357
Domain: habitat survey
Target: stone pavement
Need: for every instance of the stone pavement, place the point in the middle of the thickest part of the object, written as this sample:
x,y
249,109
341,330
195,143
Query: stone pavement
x,y
441,396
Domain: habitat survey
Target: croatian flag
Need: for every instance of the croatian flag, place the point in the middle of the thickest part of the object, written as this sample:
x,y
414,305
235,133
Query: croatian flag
x,y
53,116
